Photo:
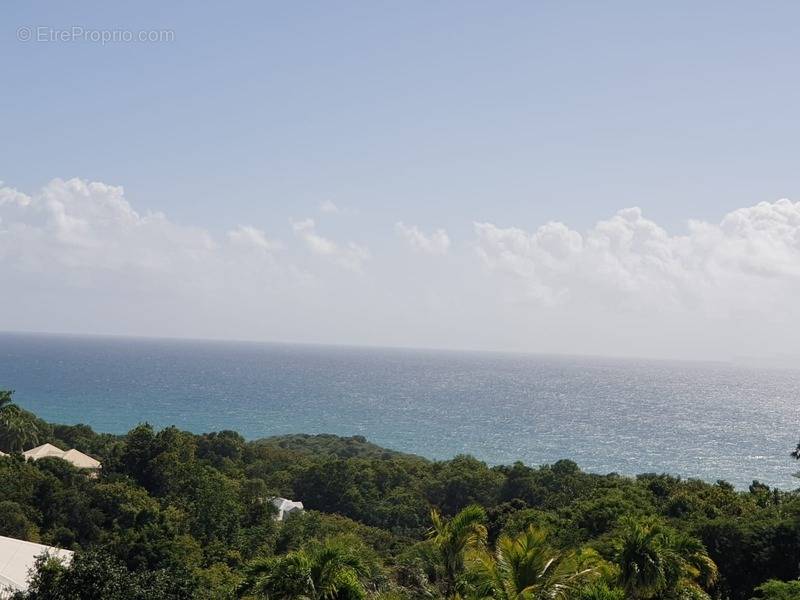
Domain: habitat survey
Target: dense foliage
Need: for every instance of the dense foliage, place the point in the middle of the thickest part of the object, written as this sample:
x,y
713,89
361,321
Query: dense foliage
x,y
178,515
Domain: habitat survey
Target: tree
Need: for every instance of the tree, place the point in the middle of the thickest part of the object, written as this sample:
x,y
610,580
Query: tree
x,y
452,539
322,571
655,560
526,567
463,481
642,560
15,523
601,591
5,398
98,575
17,428
778,590
748,551
159,461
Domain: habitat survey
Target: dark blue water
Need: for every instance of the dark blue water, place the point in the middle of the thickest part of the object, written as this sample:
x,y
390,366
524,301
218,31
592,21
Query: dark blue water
x,y
713,421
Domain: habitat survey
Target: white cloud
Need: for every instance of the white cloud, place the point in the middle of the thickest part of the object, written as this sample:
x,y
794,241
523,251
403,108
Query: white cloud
x,y
81,225
748,261
79,235
246,235
350,255
437,242
78,256
328,207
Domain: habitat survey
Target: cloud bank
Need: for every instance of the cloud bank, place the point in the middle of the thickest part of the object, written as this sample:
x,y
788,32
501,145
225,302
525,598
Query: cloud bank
x,y
76,256
78,225
750,261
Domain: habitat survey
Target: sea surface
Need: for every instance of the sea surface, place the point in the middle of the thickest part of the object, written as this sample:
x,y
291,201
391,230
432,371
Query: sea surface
x,y
706,420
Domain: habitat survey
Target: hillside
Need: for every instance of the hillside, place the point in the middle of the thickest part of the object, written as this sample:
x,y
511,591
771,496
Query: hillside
x,y
326,444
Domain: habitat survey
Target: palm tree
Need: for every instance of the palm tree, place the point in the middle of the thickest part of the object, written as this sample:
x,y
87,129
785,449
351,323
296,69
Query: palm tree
x,y
322,571
452,539
285,577
654,560
17,429
698,570
526,567
642,560
5,398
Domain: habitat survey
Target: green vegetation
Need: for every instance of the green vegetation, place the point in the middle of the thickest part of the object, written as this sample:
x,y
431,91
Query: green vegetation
x,y
176,515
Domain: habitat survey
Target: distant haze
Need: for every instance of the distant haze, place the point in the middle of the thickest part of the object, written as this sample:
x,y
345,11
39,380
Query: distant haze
x,y
76,256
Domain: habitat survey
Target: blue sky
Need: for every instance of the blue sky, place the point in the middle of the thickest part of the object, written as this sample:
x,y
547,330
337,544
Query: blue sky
x,y
436,114
446,111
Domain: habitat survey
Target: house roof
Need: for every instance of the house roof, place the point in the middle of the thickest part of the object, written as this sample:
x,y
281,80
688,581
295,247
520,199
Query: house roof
x,y
17,557
43,451
285,505
76,457
81,460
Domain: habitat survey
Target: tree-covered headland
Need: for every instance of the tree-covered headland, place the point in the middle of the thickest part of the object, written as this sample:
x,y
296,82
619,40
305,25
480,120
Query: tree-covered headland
x,y
178,515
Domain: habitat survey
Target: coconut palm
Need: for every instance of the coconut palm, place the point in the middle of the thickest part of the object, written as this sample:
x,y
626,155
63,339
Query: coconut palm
x,y
526,567
5,398
698,570
654,561
642,560
453,538
322,571
17,429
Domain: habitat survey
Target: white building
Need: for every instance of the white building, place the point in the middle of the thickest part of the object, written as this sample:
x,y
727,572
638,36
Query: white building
x,y
75,457
17,558
286,508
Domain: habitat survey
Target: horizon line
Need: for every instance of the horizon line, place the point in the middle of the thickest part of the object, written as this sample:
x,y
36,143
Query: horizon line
x,y
356,346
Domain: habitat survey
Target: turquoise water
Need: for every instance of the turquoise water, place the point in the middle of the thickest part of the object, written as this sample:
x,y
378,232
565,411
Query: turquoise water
x,y
713,421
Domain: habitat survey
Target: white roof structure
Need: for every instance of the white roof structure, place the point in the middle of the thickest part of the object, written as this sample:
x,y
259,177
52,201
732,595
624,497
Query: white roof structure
x,y
76,457
286,508
17,558
81,460
44,451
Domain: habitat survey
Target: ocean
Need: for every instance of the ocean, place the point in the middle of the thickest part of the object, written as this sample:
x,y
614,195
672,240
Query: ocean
x,y
705,420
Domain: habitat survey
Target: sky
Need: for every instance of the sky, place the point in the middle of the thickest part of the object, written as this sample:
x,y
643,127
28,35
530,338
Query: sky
x,y
613,178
